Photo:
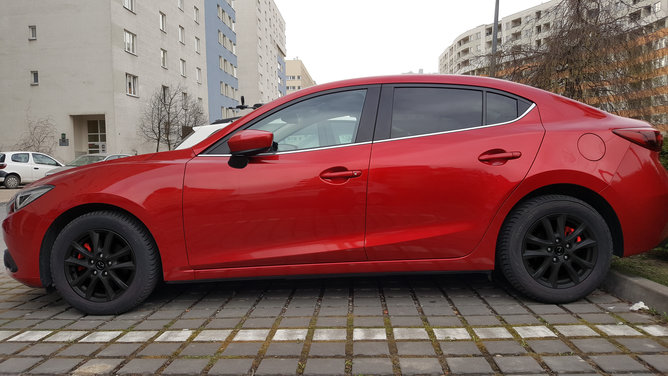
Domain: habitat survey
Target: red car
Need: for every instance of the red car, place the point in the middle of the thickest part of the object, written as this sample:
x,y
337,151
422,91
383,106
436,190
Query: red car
x,y
385,174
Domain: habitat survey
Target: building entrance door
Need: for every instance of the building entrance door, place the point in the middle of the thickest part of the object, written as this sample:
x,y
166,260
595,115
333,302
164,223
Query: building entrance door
x,y
97,137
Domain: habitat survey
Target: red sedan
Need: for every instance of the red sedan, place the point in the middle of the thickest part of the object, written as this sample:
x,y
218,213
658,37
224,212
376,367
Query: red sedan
x,y
384,174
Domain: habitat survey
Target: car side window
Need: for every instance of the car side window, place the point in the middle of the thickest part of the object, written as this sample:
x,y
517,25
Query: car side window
x,y
43,159
20,157
424,110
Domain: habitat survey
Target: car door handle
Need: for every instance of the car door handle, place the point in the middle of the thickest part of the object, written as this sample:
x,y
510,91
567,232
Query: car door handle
x,y
347,174
498,155
36,168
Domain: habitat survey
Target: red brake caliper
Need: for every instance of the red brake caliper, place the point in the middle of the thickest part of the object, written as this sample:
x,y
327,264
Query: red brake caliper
x,y
80,256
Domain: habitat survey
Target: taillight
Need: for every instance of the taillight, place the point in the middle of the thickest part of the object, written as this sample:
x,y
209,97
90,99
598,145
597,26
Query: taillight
x,y
3,165
648,138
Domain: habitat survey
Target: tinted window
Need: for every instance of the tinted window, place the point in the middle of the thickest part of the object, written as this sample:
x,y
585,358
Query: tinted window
x,y
418,111
43,159
500,108
2,158
326,120
20,157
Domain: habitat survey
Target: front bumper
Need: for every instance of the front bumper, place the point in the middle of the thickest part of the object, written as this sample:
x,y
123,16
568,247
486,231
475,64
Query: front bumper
x,y
9,262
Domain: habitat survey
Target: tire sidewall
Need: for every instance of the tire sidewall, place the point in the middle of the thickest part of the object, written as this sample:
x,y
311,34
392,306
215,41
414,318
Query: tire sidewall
x,y
101,221
597,226
12,177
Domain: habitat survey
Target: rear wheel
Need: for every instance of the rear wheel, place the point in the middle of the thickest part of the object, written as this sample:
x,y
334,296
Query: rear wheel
x,y
555,249
104,263
12,181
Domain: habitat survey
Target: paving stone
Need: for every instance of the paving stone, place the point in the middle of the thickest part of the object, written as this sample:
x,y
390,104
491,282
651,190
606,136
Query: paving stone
x,y
160,349
10,348
16,365
451,333
410,333
222,323
213,335
422,366
598,318
119,349
474,310
488,320
80,349
617,307
521,319
322,366
152,325
290,335
118,325
186,367
30,336
435,321
560,319
514,309
642,345
141,366
65,336
438,310
370,348
543,309
504,348
7,333
636,318
297,311
406,321
98,366
251,335
469,365
487,333
101,336
582,307
21,324
260,322
187,324
242,349
333,311
655,330
41,349
329,334
617,363
660,362
618,330
165,314
232,312
360,334
517,364
277,366
327,349
368,321
562,364
332,321
459,348
552,346
285,349
595,345
295,322
231,367
576,331
422,348
174,336
534,332
138,336
372,366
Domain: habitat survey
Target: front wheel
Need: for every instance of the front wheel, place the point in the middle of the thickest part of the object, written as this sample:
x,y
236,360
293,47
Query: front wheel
x,y
12,181
555,249
104,263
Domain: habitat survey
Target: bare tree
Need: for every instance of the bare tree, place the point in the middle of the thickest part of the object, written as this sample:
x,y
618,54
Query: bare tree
x,y
40,136
595,52
168,112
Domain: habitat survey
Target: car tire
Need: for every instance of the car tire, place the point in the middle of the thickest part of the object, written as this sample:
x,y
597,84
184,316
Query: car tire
x,y
554,249
104,262
12,181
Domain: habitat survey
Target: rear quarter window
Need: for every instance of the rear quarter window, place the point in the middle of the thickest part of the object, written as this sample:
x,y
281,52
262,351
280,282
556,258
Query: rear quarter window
x,y
2,157
20,157
502,108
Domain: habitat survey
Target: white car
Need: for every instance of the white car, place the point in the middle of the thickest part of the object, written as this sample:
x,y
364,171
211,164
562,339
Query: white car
x,y
201,132
87,159
17,167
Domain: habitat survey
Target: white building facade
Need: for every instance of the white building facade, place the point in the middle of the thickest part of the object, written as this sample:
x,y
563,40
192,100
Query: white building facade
x,y
90,67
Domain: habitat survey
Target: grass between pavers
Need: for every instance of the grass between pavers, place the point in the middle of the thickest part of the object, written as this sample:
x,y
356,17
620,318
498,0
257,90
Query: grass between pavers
x,y
652,265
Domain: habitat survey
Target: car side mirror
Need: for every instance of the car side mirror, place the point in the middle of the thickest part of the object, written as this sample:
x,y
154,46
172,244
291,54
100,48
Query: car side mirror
x,y
250,142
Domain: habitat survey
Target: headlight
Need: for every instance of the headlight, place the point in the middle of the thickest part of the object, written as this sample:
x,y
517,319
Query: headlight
x,y
25,197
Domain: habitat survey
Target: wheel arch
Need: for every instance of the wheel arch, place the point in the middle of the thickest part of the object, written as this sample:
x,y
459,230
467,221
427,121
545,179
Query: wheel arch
x,y
61,221
590,197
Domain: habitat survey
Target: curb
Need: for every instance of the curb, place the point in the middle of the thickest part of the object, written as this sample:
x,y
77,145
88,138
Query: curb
x,y
635,289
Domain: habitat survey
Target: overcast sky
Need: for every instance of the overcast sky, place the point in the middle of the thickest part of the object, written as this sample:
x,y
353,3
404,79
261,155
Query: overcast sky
x,y
340,39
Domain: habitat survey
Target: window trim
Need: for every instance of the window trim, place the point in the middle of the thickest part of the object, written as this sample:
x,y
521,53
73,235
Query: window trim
x,y
182,35
133,37
132,5
163,56
135,84
32,29
162,22
364,131
34,74
384,123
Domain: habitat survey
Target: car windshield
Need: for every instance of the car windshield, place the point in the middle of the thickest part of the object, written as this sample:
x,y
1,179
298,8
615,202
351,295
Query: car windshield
x,y
86,159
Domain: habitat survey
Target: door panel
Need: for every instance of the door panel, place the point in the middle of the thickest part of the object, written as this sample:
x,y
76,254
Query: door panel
x,y
277,210
433,196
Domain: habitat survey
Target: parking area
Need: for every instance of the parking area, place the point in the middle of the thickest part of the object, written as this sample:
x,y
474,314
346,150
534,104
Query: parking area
x,y
429,324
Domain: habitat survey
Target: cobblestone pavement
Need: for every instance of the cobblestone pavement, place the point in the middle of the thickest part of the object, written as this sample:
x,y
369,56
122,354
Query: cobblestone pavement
x,y
457,324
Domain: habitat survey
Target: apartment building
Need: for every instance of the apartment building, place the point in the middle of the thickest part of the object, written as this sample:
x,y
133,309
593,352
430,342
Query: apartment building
x,y
221,58
260,50
297,76
90,67
468,54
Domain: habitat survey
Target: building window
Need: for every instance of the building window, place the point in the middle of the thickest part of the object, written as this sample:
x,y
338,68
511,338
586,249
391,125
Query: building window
x,y
131,84
196,14
32,32
222,88
130,42
184,100
183,68
197,45
182,35
163,58
34,78
180,4
221,62
221,37
165,93
198,71
163,22
129,5
657,7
